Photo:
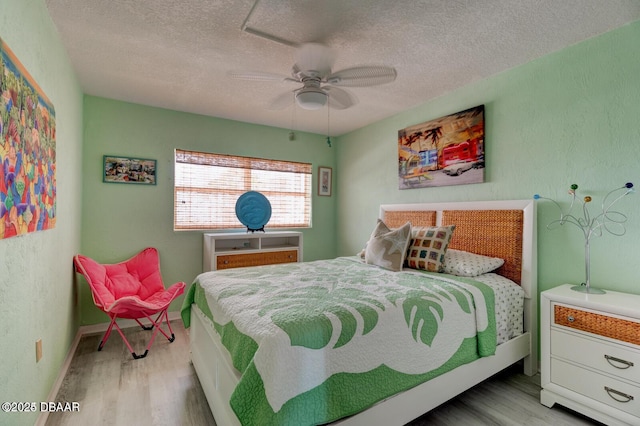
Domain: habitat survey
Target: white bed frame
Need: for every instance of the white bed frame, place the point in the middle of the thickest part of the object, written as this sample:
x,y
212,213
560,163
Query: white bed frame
x,y
218,378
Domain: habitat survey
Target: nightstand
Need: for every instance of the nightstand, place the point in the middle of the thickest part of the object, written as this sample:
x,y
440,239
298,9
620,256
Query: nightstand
x,y
590,353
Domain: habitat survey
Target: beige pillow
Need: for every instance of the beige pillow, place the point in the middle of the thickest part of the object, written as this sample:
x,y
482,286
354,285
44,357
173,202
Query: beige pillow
x,y
388,248
428,247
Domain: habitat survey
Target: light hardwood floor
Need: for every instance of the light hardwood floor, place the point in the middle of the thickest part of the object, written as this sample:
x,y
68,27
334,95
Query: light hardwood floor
x,y
162,389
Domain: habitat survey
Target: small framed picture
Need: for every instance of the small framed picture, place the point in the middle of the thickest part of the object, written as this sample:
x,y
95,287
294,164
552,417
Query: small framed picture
x,y
324,181
118,169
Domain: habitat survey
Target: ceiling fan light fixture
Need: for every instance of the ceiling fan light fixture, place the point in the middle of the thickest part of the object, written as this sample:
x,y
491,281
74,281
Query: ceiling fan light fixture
x,y
311,98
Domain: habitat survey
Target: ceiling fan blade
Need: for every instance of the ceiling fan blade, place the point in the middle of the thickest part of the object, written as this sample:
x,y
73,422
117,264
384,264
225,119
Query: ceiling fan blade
x,y
340,98
258,76
315,57
363,76
282,101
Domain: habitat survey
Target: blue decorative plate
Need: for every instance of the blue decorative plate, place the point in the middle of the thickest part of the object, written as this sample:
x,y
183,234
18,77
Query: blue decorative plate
x,y
253,210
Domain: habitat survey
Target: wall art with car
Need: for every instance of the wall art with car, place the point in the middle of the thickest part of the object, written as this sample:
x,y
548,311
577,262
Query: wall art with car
x,y
27,151
441,152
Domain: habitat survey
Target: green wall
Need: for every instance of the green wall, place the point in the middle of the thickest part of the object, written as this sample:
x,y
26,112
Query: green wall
x,y
569,117
119,219
38,297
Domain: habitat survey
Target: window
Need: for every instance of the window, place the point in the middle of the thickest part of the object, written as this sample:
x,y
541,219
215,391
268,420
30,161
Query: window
x,y
207,186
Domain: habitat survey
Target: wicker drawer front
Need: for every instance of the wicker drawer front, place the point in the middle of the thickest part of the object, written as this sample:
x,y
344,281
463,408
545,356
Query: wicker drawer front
x,y
603,325
256,259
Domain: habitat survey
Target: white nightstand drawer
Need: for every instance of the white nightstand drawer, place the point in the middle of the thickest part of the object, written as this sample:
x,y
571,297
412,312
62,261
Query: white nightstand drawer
x,y
609,391
607,357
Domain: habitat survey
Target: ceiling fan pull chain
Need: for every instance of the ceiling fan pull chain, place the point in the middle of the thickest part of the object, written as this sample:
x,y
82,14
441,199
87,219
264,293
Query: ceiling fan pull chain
x,y
292,135
328,126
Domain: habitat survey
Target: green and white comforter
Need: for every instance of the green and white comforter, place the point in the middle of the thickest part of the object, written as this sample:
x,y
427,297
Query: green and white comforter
x,y
317,341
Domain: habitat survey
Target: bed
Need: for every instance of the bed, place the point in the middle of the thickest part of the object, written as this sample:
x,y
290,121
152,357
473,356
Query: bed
x,y
291,387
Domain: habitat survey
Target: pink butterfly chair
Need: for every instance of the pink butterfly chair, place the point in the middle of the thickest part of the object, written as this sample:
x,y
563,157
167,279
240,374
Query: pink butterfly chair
x,y
131,289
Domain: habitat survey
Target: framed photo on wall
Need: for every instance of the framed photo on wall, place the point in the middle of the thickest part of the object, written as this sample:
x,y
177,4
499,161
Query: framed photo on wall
x,y
117,169
324,181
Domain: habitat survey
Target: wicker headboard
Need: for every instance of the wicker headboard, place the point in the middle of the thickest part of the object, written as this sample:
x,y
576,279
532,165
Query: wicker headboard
x,y
504,229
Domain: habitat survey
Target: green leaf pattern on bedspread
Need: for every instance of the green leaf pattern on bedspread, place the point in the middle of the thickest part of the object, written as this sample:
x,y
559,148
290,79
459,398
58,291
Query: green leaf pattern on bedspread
x,y
423,312
348,305
345,317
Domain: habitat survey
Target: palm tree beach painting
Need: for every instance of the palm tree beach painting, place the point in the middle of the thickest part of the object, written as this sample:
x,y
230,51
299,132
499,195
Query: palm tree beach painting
x,y
441,152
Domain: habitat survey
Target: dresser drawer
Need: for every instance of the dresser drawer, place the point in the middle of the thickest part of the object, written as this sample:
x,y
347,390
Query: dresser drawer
x,y
600,324
607,357
256,259
617,394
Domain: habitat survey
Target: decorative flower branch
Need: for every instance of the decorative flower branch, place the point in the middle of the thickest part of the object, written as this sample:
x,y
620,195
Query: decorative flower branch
x,y
608,220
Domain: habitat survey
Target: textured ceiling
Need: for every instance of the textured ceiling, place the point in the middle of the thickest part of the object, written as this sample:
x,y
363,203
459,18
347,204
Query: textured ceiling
x,y
176,54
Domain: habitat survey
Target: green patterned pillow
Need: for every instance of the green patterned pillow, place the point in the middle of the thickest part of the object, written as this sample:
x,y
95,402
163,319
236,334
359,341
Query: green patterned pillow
x,y
388,248
428,246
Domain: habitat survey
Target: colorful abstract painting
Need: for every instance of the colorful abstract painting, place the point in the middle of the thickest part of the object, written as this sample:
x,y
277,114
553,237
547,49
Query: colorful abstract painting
x,y
441,152
27,151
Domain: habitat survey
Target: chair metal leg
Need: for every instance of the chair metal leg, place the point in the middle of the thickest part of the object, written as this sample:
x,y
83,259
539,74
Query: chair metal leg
x,y
106,335
145,327
164,316
126,342
158,328
156,325
173,337
140,356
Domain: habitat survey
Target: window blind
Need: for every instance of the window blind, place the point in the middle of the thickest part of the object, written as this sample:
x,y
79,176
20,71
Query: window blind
x,y
207,186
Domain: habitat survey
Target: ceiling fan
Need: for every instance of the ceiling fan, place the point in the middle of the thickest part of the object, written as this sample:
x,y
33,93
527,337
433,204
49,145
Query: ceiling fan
x,y
320,85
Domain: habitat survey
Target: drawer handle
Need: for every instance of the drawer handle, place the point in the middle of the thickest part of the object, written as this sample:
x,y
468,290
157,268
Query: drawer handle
x,y
570,318
618,393
226,262
611,359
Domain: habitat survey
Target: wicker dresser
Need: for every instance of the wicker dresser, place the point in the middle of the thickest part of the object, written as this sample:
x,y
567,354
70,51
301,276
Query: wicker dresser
x,y
590,353
235,250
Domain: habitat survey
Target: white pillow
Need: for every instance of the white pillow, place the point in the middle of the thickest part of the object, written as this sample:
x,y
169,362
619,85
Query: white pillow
x,y
387,248
466,264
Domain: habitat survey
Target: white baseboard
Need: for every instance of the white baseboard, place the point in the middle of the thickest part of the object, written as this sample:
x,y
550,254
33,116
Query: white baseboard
x,y
44,415
85,330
